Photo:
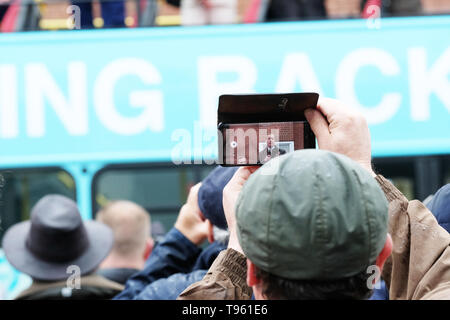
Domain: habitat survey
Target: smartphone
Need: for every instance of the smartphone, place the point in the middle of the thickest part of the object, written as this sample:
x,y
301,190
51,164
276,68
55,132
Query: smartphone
x,y
258,128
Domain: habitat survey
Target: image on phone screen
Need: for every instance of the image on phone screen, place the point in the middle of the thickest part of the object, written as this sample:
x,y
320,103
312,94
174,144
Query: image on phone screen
x,y
257,143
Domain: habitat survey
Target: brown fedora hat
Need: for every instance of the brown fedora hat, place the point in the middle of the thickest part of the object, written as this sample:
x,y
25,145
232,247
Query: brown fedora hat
x,y
55,238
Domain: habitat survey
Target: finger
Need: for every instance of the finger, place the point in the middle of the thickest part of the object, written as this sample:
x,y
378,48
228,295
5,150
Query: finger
x,y
319,125
329,107
197,185
239,178
195,188
335,110
193,193
245,172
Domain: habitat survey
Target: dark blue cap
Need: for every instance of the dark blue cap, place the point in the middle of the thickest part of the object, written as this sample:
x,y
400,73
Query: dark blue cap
x,y
210,195
440,206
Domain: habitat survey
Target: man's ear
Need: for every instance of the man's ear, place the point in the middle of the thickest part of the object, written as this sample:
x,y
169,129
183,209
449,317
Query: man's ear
x,y
385,252
252,279
210,232
148,248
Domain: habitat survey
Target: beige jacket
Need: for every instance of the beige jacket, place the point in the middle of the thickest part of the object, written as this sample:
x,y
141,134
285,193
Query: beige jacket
x,y
419,266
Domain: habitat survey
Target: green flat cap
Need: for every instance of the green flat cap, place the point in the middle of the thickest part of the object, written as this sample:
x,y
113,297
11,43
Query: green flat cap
x,y
321,216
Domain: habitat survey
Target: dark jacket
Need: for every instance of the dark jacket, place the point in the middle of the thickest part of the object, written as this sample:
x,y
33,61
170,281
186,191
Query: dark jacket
x,y
92,287
119,275
380,293
440,206
275,152
174,264
418,268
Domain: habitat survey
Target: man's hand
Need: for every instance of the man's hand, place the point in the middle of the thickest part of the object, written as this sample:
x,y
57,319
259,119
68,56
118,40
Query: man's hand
x,y
190,221
230,195
341,129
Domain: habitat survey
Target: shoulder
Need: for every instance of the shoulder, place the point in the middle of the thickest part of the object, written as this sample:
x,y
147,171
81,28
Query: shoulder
x,y
440,293
90,287
117,275
97,280
170,288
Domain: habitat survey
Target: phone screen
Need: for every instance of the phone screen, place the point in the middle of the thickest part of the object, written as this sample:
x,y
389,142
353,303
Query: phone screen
x,y
257,143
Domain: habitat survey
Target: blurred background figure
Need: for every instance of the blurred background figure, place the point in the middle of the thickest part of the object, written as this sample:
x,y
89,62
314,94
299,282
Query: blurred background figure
x,y
133,243
436,6
291,10
21,15
18,15
283,10
178,260
393,7
4,4
12,282
388,8
200,12
439,205
60,252
111,11
343,9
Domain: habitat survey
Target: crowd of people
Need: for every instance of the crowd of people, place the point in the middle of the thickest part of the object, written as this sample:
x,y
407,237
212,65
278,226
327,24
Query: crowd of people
x,y
322,225
20,15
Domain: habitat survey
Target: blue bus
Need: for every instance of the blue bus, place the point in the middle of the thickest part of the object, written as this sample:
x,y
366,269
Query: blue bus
x,y
99,115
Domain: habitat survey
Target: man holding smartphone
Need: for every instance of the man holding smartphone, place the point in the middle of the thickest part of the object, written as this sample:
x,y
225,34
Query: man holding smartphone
x,y
324,225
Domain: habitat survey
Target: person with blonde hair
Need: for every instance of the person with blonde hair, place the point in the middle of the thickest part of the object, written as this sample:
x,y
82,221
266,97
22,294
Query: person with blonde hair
x,y
133,244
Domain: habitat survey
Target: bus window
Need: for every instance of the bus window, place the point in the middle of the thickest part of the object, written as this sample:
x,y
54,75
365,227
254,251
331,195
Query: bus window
x,y
447,171
21,189
205,170
405,185
416,177
160,189
400,171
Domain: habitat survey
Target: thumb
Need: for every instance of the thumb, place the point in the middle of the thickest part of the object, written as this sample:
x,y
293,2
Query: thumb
x,y
241,176
320,127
